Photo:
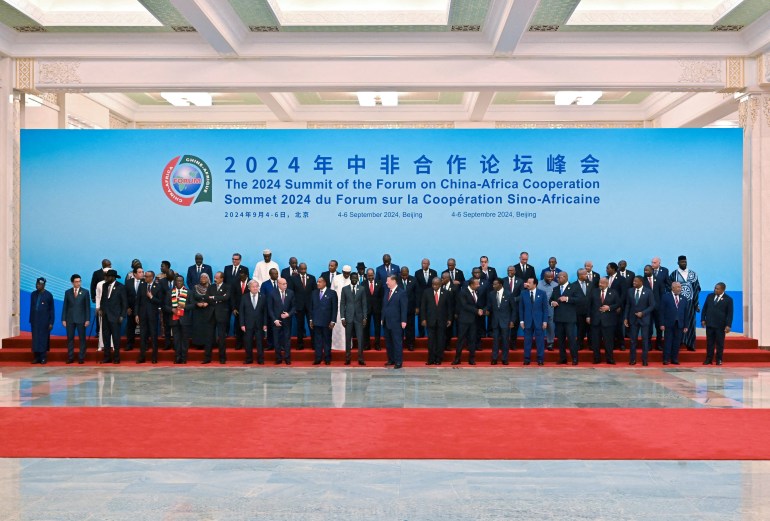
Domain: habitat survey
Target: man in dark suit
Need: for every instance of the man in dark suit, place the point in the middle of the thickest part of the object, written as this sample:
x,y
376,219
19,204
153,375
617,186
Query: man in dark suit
x,y
329,275
658,286
640,304
266,289
661,272
374,293
591,276
468,310
218,296
488,273
407,283
232,272
76,316
194,271
424,278
280,309
166,279
717,318
395,305
603,309
149,299
615,283
436,317
303,285
673,318
513,285
323,313
238,288
41,318
552,268
566,300
626,275
292,269
501,320
533,319
253,319
132,291
455,275
353,314
582,309
451,291
386,269
481,293
179,303
113,309
523,270
98,276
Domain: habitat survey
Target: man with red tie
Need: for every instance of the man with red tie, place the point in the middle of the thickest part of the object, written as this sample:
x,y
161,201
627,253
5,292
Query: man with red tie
x,y
673,317
238,288
436,317
303,284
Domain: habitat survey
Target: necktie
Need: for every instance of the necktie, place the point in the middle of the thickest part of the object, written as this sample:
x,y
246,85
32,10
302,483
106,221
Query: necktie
x,y
404,284
354,291
510,282
499,298
636,299
437,298
563,289
676,300
282,297
303,281
474,296
274,286
452,275
583,287
717,299
371,287
136,285
76,293
532,293
390,294
109,291
243,288
320,295
602,296
254,300
199,270
650,282
235,270
331,278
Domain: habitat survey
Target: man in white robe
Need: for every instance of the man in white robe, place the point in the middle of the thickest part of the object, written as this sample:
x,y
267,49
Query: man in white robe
x,y
338,333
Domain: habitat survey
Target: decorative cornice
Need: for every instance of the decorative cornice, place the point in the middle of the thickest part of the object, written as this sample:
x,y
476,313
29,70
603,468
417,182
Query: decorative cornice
x,y
700,71
569,124
58,72
151,125
381,124
25,75
734,80
117,123
748,110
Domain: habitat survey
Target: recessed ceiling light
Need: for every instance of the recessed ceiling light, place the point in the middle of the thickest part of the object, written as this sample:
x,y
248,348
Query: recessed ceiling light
x,y
377,99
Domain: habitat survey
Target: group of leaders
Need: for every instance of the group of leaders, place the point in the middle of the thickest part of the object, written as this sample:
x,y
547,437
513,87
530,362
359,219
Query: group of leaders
x,y
263,307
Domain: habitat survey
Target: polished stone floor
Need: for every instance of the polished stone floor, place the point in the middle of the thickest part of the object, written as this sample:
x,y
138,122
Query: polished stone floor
x,y
398,490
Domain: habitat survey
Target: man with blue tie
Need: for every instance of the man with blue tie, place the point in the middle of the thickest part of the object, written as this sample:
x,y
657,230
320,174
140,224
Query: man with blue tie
x,y
394,312
323,313
76,316
640,304
533,316
717,318
281,310
673,317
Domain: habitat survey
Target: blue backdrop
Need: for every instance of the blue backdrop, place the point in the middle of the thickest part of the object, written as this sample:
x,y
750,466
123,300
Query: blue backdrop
x,y
353,195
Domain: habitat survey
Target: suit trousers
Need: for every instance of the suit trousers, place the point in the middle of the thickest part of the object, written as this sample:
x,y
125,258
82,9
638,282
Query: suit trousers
x,y
715,338
111,338
181,334
282,340
323,343
565,336
168,322
537,331
672,340
238,332
302,317
354,329
148,330
409,329
436,342
634,332
394,344
599,333
376,320
655,322
81,331
500,342
583,330
466,334
130,330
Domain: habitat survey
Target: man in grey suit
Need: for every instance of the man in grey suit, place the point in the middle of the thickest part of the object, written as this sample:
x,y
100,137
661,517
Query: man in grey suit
x,y
253,320
353,311
76,315
640,304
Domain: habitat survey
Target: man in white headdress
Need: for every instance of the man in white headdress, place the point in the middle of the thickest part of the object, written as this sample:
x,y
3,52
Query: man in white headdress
x,y
262,269
338,333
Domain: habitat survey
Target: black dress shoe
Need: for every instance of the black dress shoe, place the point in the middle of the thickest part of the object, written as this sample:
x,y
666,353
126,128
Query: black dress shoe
x,y
428,363
43,362
115,362
494,362
81,362
596,361
327,362
574,362
675,363
397,366
262,362
691,349
719,362
105,361
347,362
140,360
223,362
361,362
70,362
35,362
129,348
278,362
206,362
645,364
666,362
410,348
561,362
247,362
287,362
505,362
707,362
472,362
611,362
540,363
526,362
632,362
316,362
154,361
455,362
388,363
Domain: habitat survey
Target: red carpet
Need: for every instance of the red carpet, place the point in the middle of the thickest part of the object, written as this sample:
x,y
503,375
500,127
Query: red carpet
x,y
597,434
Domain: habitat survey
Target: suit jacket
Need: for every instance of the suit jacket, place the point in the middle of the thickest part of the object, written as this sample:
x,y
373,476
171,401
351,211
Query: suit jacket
x,y
382,274
251,317
219,298
515,291
96,278
492,275
189,305
411,292
482,292
327,277
618,285
672,315
607,318
501,315
353,309
114,305
193,277
528,273
374,299
131,293
646,305
436,315
76,310
718,314
394,309
267,288
302,294
582,307
459,275
148,306
628,280
665,276
323,311
546,270
422,284
593,278
465,308
275,307
533,314
236,294
231,279
567,311
287,274
658,288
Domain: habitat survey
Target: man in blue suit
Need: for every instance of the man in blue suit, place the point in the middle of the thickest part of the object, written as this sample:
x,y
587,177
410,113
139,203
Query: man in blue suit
x,y
194,271
386,269
673,317
76,315
394,310
323,312
281,309
640,304
533,316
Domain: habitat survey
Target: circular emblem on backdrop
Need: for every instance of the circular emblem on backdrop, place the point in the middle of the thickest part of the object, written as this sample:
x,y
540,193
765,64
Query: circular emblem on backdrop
x,y
187,180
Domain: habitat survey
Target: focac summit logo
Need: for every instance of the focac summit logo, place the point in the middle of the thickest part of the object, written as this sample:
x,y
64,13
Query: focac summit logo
x,y
187,180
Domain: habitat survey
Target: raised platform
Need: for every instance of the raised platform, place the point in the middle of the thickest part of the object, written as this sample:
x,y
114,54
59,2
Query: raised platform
x,y
738,350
